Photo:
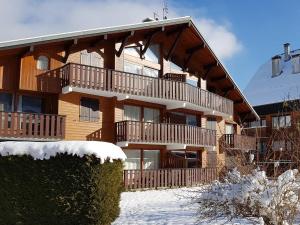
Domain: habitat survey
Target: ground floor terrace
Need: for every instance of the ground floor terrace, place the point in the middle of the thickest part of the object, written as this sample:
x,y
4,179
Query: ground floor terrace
x,y
151,167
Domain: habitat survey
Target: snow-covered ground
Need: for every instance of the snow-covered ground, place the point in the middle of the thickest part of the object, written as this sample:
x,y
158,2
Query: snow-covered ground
x,y
171,206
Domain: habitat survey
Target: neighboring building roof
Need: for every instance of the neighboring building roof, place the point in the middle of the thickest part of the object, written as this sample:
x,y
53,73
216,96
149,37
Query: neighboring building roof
x,y
264,89
209,57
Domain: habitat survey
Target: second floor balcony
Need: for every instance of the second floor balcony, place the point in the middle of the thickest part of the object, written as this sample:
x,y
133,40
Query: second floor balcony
x,y
123,85
238,142
174,136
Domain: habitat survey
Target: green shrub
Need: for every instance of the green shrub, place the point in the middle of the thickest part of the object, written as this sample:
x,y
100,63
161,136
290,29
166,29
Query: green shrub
x,y
60,191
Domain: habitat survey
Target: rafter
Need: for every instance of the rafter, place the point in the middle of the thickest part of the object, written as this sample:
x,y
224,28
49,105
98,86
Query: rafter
x,y
28,51
191,52
68,50
228,89
239,102
217,79
175,43
149,38
124,42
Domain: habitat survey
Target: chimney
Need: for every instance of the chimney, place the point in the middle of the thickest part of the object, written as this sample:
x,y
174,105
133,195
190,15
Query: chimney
x,y
276,70
287,51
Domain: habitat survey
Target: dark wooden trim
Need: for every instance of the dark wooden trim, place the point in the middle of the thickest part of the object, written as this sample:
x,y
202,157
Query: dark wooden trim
x,y
176,41
123,44
149,38
217,79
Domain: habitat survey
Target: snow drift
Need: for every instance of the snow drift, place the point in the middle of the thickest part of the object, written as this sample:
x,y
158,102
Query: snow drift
x,y
45,150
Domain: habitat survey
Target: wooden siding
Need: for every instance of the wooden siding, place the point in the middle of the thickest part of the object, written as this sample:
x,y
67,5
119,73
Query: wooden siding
x,y
31,77
9,73
168,178
69,105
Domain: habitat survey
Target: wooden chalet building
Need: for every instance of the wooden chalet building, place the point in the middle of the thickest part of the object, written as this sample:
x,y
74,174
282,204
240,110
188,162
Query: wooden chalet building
x,y
154,88
274,92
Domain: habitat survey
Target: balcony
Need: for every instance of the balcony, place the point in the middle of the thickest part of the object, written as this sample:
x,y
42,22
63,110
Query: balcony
x,y
174,136
238,142
30,126
259,132
173,94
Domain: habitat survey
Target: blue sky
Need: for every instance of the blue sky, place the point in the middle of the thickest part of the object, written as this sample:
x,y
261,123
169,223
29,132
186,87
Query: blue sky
x,y
262,27
244,34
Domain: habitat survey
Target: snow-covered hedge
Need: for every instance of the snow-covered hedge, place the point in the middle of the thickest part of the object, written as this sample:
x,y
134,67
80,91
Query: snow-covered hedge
x,y
273,201
45,150
78,183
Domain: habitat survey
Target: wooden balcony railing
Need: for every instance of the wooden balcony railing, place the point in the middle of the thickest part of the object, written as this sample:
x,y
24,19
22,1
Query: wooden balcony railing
x,y
77,75
15,125
258,132
168,178
164,133
238,142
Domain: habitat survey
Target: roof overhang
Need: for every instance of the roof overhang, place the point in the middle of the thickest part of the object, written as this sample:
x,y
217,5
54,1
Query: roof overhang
x,y
187,53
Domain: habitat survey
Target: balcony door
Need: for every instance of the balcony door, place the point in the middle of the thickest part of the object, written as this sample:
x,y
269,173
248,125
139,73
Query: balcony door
x,y
6,100
30,104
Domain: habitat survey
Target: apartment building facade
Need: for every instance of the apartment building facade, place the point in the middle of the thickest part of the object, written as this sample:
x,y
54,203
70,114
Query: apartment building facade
x,y
155,88
274,92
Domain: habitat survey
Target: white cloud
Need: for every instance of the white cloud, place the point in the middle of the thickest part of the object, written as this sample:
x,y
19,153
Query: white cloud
x,y
24,18
224,43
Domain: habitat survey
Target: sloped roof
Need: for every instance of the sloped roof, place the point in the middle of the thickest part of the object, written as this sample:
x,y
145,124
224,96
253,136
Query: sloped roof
x,y
218,77
264,89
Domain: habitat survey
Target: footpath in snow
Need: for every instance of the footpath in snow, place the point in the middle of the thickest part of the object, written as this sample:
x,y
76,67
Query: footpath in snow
x,y
171,206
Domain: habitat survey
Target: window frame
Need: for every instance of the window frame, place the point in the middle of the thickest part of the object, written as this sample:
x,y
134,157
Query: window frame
x,y
90,117
38,63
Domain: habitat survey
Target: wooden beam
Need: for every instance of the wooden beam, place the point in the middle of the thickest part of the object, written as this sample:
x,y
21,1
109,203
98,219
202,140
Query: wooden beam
x,y
195,49
149,38
68,50
228,89
207,72
176,30
28,51
123,44
190,53
175,43
217,79
239,102
207,66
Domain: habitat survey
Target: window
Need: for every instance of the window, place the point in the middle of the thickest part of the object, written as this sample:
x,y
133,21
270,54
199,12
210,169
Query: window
x,y
5,102
151,159
133,68
281,121
191,120
89,109
152,53
211,124
42,63
30,104
132,50
133,161
91,59
150,72
229,129
132,113
193,82
151,115
257,123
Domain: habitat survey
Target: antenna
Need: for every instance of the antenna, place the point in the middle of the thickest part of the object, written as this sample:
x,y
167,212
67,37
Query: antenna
x,y
155,16
165,9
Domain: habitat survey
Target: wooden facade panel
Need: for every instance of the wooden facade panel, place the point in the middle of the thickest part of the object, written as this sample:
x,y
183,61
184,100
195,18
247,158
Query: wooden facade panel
x,y
34,79
9,73
69,105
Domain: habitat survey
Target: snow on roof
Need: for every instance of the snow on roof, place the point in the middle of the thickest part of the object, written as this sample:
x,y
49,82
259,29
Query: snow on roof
x,y
93,32
44,150
264,89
